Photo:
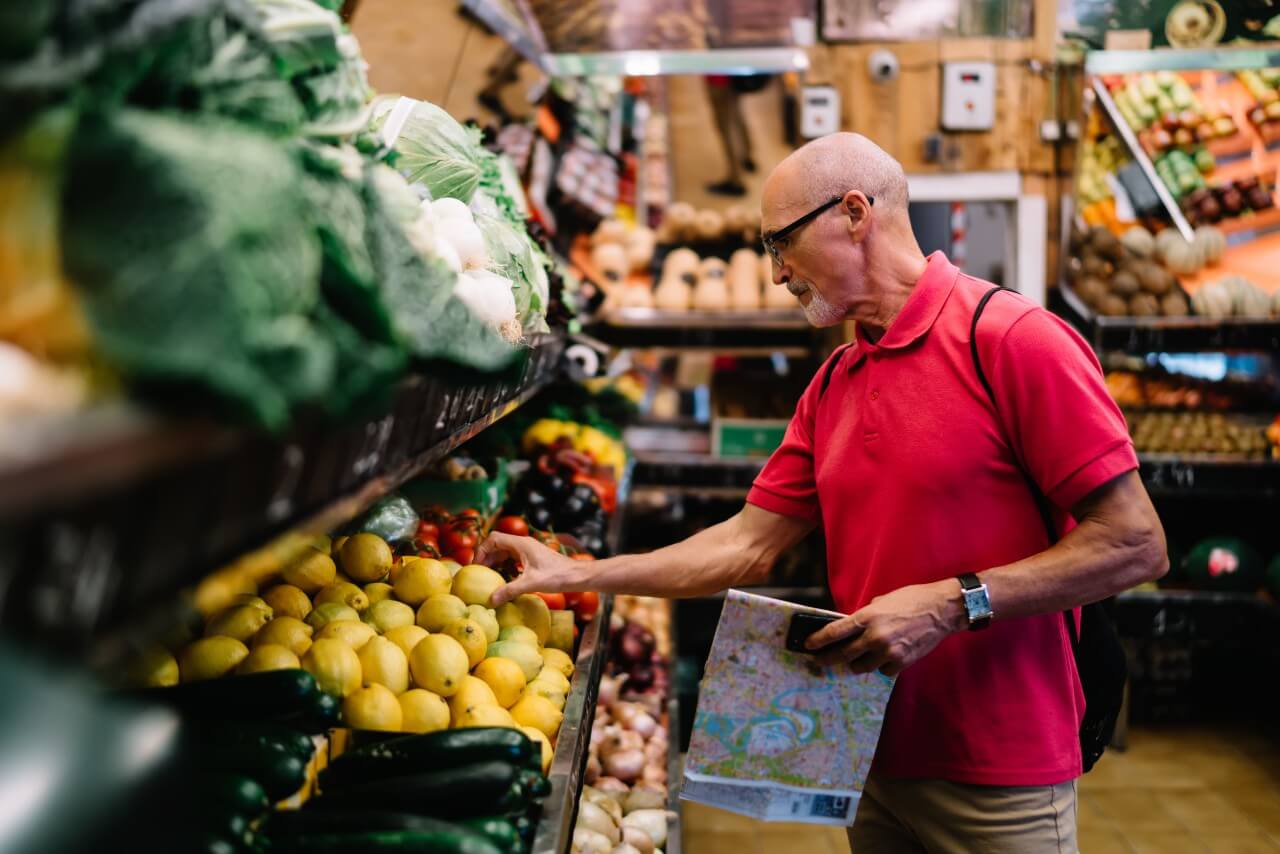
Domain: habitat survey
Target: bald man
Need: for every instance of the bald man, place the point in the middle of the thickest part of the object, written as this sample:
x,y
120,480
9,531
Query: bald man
x,y
925,483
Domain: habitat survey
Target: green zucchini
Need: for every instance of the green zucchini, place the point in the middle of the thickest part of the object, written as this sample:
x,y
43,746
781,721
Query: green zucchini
x,y
259,736
320,816
280,774
500,831
435,751
526,827
456,841
322,714
535,784
479,789
276,695
234,792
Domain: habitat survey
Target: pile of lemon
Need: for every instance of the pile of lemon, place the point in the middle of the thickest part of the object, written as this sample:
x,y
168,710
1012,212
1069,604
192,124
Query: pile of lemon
x,y
409,644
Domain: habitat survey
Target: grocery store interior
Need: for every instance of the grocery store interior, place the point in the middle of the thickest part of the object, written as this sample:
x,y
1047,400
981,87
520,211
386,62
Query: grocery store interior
x,y
257,417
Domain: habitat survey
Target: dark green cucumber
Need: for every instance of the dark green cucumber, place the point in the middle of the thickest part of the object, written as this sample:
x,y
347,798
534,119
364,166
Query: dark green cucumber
x,y
231,792
277,695
320,816
257,735
526,827
435,751
280,773
322,714
536,785
457,840
484,788
497,830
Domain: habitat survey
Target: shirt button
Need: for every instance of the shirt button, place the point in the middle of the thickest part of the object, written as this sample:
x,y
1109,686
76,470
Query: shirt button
x,y
875,395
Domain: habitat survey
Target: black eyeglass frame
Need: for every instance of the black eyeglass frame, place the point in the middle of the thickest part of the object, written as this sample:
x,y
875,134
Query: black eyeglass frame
x,y
786,230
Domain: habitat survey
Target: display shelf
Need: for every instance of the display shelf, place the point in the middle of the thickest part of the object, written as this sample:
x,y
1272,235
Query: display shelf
x,y
166,506
1208,475
743,333
1198,615
1139,156
1174,59
1143,335
695,471
560,809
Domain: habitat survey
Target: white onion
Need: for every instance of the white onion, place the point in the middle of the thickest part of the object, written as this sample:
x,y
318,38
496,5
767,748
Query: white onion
x,y
625,848
605,800
466,239
611,786
654,774
588,841
652,822
444,251
638,839
626,765
591,816
645,797
488,295
454,209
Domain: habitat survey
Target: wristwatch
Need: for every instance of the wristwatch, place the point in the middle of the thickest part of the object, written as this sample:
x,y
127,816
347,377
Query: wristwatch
x,y
976,601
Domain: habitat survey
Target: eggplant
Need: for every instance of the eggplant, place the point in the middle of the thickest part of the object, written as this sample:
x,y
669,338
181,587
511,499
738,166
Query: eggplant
x,y
587,494
540,518
573,509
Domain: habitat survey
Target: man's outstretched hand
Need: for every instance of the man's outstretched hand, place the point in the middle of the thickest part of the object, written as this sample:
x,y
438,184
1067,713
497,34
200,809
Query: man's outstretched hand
x,y
543,570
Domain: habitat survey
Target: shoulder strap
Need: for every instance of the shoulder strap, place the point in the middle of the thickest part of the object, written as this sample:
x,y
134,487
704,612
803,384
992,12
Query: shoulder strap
x,y
1042,503
831,368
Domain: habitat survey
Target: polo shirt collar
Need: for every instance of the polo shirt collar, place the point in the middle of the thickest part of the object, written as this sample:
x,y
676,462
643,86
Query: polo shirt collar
x,y
922,307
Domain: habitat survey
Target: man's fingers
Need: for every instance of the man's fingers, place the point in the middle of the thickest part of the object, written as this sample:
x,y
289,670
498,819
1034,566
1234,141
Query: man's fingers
x,y
509,591
497,547
842,629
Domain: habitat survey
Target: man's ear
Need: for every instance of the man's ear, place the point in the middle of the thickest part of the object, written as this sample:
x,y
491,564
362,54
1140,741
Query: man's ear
x,y
857,209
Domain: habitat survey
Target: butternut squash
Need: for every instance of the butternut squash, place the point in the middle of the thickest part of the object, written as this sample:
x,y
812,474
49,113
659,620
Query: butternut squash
x,y
744,280
711,293
673,294
775,296
610,261
640,243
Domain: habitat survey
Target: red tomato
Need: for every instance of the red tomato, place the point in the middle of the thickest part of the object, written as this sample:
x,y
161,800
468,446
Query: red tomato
x,y
555,601
587,605
464,555
427,548
452,539
571,599
514,525
428,530
469,513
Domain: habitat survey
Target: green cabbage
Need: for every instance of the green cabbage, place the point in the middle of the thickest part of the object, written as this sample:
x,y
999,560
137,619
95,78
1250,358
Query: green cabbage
x,y
434,149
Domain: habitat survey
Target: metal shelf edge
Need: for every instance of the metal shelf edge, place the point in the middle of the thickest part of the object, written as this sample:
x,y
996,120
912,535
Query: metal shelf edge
x,y
560,808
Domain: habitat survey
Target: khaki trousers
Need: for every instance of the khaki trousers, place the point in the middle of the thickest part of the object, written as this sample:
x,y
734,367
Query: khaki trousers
x,y
937,817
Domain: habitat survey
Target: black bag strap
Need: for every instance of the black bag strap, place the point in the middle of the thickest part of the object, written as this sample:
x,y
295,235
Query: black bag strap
x,y
1042,502
831,369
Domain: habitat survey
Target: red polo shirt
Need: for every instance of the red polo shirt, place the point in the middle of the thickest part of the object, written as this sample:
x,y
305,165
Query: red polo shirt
x,y
911,472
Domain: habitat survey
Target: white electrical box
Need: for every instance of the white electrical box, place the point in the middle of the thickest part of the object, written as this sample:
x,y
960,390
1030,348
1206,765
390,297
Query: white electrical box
x,y
819,111
968,95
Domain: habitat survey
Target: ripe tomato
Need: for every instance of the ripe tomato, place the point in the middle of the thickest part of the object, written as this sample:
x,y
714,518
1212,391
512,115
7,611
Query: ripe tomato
x,y
428,530
464,555
571,599
452,539
587,605
427,548
514,525
469,513
555,601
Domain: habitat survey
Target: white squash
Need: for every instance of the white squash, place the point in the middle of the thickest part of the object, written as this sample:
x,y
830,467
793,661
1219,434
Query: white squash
x,y
708,224
609,231
1181,257
673,294
775,296
744,280
610,261
1211,242
635,296
1213,300
680,262
677,223
1139,242
711,293
640,242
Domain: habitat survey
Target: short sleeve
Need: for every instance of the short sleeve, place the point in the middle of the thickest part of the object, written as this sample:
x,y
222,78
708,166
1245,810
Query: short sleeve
x,y
787,484
1065,428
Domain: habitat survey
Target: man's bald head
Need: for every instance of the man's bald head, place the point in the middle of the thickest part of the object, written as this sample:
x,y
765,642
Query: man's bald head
x,y
832,166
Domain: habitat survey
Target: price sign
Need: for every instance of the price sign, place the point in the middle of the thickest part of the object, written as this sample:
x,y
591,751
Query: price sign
x,y
376,436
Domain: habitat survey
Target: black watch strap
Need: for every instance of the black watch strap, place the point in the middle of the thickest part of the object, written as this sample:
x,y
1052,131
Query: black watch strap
x,y
969,581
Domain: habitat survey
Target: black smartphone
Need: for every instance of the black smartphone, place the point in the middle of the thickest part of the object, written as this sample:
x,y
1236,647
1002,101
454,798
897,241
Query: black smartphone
x,y
802,626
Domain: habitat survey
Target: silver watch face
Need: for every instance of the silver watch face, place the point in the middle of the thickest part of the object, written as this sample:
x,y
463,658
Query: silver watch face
x,y
977,603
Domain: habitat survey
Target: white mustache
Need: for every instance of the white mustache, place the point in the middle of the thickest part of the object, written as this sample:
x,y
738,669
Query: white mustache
x,y
797,288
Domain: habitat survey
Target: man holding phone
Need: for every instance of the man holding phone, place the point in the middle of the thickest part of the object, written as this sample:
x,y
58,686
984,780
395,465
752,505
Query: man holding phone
x,y
936,547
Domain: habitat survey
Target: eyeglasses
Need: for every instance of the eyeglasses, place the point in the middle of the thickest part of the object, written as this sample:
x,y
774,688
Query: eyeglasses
x,y
770,240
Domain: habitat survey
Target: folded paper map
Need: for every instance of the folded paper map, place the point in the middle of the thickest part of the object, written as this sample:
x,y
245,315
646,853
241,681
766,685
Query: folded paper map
x,y
777,736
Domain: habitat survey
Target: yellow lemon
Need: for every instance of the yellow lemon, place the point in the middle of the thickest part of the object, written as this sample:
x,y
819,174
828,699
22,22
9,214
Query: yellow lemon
x,y
384,663
239,621
471,636
522,654
419,578
558,660
336,546
343,593
406,637
474,584
288,632
329,612
539,713
476,716
313,571
377,591
508,615
537,736
268,656
519,634
335,666
472,692
552,677
535,614
353,633
504,677
488,620
210,658
153,667
561,636
438,664
250,599
365,558
547,691
440,610
423,711
374,708
388,614
288,601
